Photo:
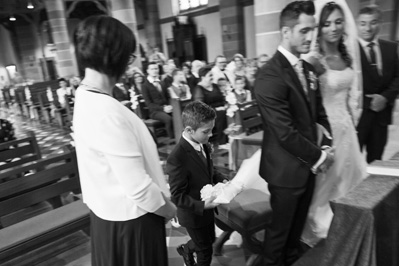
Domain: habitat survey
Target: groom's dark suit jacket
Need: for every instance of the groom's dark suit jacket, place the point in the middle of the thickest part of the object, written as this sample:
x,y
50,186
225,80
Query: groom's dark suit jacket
x,y
387,85
289,148
188,174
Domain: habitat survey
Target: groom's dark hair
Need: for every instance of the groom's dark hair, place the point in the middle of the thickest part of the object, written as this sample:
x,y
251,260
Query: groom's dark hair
x,y
290,14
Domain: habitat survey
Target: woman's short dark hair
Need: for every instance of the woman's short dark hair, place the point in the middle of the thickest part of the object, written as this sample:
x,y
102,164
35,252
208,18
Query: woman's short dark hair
x,y
104,44
204,70
290,14
324,14
197,113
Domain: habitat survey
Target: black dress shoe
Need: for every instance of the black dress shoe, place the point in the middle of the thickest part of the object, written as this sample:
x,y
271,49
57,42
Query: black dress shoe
x,y
187,256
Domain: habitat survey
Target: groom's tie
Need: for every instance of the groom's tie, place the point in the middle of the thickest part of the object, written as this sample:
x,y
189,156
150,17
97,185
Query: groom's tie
x,y
301,75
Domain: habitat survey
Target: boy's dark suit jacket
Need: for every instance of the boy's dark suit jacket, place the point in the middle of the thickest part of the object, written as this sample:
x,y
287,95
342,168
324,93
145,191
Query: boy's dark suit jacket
x,y
387,85
154,99
188,174
289,147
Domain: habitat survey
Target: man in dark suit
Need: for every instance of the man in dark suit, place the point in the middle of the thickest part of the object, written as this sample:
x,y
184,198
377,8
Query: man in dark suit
x,y
291,107
190,168
157,98
380,70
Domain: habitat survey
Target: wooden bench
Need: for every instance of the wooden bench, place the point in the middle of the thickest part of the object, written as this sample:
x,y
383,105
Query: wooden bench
x,y
26,149
248,214
34,103
178,107
59,175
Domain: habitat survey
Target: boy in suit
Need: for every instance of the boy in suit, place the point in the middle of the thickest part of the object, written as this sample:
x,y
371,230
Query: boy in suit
x,y
190,168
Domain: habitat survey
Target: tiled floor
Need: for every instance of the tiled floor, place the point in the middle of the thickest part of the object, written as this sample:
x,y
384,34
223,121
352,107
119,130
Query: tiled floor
x,y
74,250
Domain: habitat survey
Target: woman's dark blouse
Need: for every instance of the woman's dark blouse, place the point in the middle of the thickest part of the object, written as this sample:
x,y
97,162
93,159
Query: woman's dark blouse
x,y
214,98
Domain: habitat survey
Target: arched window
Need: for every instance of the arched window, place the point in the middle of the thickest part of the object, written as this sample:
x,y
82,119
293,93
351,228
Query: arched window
x,y
190,4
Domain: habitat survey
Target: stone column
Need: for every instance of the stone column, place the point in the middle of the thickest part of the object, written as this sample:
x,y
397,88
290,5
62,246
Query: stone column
x,y
267,28
152,25
56,14
124,11
232,21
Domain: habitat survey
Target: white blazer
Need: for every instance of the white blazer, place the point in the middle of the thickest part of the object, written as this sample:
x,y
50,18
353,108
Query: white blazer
x,y
119,166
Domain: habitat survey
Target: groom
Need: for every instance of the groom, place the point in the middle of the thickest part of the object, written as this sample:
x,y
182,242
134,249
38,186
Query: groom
x,y
290,103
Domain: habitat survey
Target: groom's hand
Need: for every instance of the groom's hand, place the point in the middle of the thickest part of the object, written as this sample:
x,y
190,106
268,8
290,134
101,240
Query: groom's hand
x,y
378,102
328,161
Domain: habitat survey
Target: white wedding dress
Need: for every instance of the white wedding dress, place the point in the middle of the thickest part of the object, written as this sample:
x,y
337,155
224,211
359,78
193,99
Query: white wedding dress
x,y
349,167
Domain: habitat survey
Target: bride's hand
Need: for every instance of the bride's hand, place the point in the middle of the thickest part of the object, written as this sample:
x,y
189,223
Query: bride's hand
x,y
319,68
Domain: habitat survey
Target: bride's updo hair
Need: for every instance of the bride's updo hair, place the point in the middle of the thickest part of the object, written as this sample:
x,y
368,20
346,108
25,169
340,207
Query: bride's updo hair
x,y
325,13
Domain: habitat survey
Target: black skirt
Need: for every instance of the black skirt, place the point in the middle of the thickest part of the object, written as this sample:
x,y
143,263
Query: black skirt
x,y
137,242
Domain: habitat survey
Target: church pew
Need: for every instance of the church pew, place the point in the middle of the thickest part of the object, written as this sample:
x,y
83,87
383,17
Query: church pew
x,y
178,106
26,149
59,175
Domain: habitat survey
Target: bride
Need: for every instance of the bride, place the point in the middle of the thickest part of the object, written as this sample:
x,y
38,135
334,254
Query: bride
x,y
336,59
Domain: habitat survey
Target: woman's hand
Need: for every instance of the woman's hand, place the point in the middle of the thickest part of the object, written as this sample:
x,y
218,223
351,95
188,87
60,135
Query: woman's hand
x,y
168,210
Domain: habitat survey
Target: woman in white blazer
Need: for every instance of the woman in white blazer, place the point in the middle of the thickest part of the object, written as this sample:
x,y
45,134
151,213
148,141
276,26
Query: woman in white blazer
x,y
120,174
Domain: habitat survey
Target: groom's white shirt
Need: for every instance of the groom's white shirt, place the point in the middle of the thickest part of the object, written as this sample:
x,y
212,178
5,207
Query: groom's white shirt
x,y
377,51
293,61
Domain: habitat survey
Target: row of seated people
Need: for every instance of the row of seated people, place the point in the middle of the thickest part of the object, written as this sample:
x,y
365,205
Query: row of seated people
x,y
153,95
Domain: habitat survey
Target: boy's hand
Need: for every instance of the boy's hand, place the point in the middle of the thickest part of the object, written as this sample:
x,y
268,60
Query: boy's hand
x,y
209,204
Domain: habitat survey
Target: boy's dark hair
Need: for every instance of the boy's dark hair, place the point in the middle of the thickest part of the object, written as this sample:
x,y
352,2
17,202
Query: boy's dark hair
x,y
290,14
175,71
222,79
370,10
61,79
105,44
204,70
196,114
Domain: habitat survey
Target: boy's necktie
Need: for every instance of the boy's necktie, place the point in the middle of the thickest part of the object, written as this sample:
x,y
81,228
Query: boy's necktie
x,y
202,156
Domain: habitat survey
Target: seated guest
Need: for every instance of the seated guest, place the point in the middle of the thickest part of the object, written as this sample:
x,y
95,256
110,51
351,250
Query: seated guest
x,y
74,82
122,94
237,65
240,92
179,89
156,98
209,93
122,181
251,72
194,79
167,78
137,87
262,60
64,90
186,67
220,71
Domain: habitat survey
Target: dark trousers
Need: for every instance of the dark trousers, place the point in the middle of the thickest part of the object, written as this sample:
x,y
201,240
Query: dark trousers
x,y
290,208
167,120
372,135
136,242
201,243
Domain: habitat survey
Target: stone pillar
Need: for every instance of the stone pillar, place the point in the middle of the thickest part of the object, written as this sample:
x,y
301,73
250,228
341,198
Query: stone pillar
x,y
232,21
124,11
56,14
152,25
267,28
